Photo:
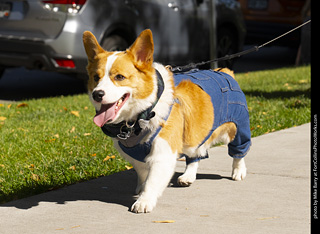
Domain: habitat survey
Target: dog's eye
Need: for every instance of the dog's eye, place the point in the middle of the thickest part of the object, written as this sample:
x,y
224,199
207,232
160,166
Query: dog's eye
x,y
119,77
96,78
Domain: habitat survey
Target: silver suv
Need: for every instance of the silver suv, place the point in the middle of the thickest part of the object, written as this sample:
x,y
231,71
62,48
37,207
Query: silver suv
x,y
47,34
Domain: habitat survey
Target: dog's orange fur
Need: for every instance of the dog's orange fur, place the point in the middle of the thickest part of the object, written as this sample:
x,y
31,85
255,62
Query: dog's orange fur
x,y
141,51
228,128
192,118
97,67
225,70
140,81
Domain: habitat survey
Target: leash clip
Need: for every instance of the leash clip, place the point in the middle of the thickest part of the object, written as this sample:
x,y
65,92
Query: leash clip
x,y
126,130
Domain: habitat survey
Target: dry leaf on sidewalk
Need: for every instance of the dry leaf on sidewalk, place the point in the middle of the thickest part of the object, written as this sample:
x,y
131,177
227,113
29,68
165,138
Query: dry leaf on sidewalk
x,y
164,221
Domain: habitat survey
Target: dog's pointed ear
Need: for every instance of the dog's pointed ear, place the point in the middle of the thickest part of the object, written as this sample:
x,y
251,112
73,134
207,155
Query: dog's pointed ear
x,y
91,45
142,50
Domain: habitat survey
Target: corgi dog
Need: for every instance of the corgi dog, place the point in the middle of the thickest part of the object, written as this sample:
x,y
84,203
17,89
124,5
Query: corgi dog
x,y
155,116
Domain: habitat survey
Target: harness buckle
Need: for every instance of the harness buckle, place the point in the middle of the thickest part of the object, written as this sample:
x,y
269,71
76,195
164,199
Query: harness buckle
x,y
126,130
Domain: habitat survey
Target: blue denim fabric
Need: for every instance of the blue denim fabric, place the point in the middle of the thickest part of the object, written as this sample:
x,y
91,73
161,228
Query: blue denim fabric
x,y
229,105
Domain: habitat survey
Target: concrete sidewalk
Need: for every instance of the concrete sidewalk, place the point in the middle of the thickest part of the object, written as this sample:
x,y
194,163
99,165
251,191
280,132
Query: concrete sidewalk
x,y
274,198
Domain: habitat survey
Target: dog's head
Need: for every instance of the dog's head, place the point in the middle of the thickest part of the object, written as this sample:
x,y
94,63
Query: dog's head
x,y
121,84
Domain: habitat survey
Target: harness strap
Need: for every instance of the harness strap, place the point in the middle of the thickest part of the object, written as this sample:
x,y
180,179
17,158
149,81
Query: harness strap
x,y
141,151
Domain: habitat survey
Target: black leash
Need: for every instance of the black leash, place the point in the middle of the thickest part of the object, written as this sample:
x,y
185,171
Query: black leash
x,y
227,57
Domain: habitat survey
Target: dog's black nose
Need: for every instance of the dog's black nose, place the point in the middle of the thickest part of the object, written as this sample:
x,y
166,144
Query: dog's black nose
x,y
98,95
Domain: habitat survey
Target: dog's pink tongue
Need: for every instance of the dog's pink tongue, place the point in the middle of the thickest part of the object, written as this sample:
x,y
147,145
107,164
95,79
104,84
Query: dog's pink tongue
x,y
106,113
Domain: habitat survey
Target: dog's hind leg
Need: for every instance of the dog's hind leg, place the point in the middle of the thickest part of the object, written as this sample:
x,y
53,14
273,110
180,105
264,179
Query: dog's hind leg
x,y
190,174
239,170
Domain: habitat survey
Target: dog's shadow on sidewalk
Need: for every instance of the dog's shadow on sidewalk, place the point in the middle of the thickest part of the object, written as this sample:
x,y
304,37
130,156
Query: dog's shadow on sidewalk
x,y
200,176
117,189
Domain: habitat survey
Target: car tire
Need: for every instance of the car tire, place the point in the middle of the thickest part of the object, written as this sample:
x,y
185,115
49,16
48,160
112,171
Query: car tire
x,y
114,43
226,45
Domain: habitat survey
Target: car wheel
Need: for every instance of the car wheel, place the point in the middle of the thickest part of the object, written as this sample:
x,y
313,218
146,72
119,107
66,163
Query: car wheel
x,y
226,45
114,43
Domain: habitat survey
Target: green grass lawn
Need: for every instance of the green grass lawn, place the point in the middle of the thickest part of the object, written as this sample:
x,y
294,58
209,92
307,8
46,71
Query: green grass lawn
x,y
277,99
49,143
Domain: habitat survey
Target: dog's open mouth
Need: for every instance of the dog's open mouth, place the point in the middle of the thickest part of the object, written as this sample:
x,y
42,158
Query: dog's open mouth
x,y
108,112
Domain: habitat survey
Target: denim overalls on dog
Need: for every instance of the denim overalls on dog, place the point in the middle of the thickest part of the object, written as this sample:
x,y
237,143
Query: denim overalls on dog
x,y
229,105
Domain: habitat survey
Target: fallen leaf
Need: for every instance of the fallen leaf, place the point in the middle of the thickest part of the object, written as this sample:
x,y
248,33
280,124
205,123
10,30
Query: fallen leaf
x,y
86,108
1,105
164,221
1,165
128,167
50,140
93,155
75,113
2,118
72,129
303,81
87,134
22,105
35,177
65,108
106,158
9,106
56,135
73,168
109,157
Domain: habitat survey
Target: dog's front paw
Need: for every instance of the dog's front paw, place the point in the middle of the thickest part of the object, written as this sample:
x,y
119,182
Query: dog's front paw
x,y
143,205
186,180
